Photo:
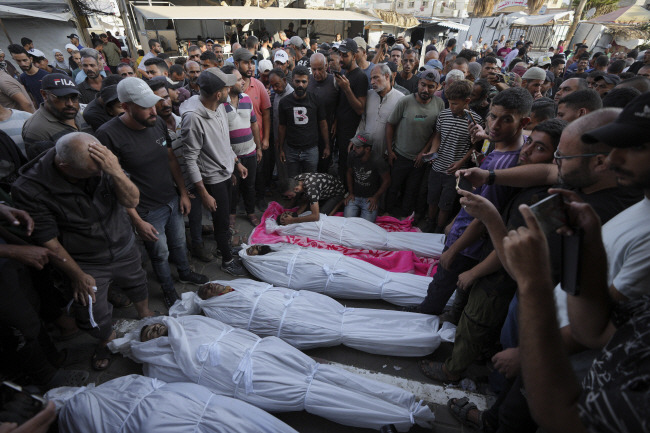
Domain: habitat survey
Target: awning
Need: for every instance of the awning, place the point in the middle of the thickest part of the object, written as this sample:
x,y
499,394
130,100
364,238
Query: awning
x,y
228,13
13,12
444,23
540,20
628,15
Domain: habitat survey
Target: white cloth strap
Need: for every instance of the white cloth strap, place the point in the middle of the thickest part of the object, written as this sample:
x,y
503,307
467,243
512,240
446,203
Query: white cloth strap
x,y
383,283
210,351
91,318
309,379
257,300
291,265
332,271
287,304
345,310
135,406
321,222
245,370
345,221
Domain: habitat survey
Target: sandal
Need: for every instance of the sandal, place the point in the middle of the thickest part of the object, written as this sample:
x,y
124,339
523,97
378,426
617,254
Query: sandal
x,y
102,353
253,219
68,378
459,409
118,299
238,242
433,370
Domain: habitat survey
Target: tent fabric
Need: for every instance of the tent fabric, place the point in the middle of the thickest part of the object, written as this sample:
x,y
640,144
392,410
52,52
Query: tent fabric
x,y
307,319
628,15
443,22
248,13
134,404
334,274
540,20
360,233
14,12
268,373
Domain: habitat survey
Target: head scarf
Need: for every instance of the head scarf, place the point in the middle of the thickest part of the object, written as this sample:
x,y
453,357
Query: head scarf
x,y
64,65
3,64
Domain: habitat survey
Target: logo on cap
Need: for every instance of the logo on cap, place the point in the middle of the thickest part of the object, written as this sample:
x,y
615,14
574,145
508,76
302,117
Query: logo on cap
x,y
645,113
63,82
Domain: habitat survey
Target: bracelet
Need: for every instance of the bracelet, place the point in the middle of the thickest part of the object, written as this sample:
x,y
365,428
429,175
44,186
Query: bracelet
x,y
492,176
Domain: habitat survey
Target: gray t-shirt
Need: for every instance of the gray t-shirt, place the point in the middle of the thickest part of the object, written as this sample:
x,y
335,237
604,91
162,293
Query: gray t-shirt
x,y
414,123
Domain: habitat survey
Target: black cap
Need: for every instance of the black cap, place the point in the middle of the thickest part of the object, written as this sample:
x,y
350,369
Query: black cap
x,y
362,139
73,35
59,84
109,94
630,127
324,47
609,78
392,66
209,40
243,54
348,46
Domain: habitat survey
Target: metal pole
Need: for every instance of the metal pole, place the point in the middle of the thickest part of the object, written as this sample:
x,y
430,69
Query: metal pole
x,y
6,32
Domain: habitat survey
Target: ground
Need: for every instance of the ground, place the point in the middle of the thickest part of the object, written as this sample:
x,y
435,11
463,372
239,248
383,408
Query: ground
x,y
401,371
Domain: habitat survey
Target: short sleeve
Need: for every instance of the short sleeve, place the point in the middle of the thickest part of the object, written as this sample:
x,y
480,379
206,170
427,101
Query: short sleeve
x,y
45,226
360,88
632,279
10,87
398,111
282,115
264,96
320,110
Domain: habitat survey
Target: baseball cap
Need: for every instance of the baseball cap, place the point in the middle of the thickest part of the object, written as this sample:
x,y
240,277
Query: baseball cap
x,y
609,78
362,139
519,43
71,47
297,41
429,73
209,40
628,129
543,61
59,84
36,53
243,54
281,56
434,63
418,43
72,35
264,65
348,46
109,94
392,66
212,80
534,73
132,89
324,47
361,43
168,82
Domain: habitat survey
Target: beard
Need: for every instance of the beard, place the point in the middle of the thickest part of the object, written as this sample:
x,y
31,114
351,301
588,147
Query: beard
x,y
424,96
147,122
299,91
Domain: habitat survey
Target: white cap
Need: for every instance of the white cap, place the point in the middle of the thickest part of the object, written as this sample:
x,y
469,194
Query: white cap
x,y
264,65
281,56
36,53
132,89
71,47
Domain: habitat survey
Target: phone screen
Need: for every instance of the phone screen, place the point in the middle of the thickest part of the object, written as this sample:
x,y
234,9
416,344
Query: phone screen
x,y
550,213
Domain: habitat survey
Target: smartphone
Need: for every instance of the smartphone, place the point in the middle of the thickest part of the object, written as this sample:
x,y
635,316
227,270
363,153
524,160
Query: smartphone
x,y
337,73
12,392
462,183
430,157
469,117
571,250
550,213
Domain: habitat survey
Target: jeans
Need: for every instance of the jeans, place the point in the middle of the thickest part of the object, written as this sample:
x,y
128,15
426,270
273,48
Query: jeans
x,y
359,208
444,283
264,173
245,186
222,192
405,178
195,218
301,160
168,221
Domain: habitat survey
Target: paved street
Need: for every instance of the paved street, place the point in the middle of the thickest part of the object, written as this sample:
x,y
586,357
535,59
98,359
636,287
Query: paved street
x,y
403,372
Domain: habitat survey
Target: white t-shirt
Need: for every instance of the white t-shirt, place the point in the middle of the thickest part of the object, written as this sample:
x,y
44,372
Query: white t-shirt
x,y
468,45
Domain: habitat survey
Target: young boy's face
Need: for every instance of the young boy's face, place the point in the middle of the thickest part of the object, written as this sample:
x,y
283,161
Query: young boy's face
x,y
456,106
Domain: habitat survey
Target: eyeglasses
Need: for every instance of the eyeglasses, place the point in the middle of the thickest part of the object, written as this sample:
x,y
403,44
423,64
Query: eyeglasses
x,y
72,97
557,155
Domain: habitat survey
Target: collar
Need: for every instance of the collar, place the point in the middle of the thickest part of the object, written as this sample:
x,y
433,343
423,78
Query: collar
x,y
52,118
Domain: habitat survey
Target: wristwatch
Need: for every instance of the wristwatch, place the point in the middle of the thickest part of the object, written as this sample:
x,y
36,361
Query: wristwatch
x,y
491,177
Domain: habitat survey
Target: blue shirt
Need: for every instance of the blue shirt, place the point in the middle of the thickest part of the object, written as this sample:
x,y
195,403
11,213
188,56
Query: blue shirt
x,y
32,84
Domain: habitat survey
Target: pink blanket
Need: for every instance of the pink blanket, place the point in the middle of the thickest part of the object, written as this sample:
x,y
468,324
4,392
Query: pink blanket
x,y
394,261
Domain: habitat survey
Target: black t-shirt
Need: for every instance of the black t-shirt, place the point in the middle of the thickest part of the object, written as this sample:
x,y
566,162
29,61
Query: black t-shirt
x,y
95,115
304,62
411,84
366,176
320,186
301,117
144,155
327,95
347,118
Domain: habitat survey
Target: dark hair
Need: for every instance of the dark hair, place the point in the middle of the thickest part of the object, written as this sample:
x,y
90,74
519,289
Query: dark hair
x,y
616,67
467,54
17,49
25,41
111,80
459,90
484,85
180,61
553,128
159,63
515,98
193,48
460,61
584,56
626,75
163,56
176,69
228,68
122,64
251,41
620,97
278,72
633,54
543,108
410,51
491,60
215,46
602,61
156,85
588,99
290,51
200,44
300,70
514,63
209,55
638,82
582,83
451,42
597,54
140,52
152,43
557,62
595,74
97,42
103,35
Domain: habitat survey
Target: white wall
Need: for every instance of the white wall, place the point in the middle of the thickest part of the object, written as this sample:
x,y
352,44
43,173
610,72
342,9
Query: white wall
x,y
46,34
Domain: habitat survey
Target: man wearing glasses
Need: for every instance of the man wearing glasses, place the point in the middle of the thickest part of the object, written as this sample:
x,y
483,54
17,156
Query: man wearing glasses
x,y
194,53
57,116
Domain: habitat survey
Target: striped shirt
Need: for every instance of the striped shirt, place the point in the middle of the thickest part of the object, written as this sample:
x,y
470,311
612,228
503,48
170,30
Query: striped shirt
x,y
239,124
13,127
455,140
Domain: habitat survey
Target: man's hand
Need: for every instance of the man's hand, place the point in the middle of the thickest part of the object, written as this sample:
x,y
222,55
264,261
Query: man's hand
x,y
466,279
286,219
477,133
581,215
372,204
418,160
82,286
184,204
283,158
453,168
349,198
146,231
17,217
526,250
391,158
447,258
106,159
33,256
265,144
477,206
476,176
259,155
507,362
343,82
209,202
243,171
326,153
39,423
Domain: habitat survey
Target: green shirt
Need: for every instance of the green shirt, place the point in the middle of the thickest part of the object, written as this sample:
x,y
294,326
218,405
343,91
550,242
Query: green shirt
x,y
113,54
414,124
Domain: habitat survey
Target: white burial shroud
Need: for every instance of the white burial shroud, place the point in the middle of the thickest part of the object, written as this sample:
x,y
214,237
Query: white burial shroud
x,y
307,319
268,373
334,274
362,234
136,404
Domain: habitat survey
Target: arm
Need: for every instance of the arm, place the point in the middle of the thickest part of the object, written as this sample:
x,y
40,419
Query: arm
x,y
458,164
175,168
435,143
487,266
471,234
552,389
24,103
192,136
323,130
82,283
390,132
522,176
266,124
313,216
282,133
349,177
385,183
146,231
126,192
255,128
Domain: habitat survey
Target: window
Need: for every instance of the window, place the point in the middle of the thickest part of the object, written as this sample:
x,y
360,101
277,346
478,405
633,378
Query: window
x,y
400,5
425,4
411,4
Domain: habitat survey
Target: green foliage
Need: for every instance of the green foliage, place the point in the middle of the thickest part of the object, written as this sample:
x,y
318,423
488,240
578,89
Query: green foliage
x,y
602,6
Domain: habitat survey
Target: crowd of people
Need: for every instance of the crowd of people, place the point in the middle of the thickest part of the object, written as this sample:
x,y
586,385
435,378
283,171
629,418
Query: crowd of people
x,y
101,153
